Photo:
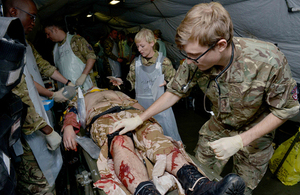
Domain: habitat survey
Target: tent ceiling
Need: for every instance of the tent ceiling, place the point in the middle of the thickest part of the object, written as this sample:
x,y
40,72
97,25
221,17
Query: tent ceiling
x,y
268,20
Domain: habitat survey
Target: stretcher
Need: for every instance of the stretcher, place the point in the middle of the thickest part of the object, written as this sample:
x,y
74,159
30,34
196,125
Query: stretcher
x,y
87,177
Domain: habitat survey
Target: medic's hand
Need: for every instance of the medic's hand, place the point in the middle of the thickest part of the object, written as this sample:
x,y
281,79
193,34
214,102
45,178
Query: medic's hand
x,y
69,138
81,80
71,84
53,139
128,124
226,147
165,83
115,81
58,96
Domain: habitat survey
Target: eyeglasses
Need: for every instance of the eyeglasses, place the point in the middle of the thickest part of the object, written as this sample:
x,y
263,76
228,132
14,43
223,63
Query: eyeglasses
x,y
185,88
196,60
32,17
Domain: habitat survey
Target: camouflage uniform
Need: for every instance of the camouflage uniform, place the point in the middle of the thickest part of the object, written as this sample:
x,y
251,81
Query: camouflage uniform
x,y
257,83
167,68
30,178
108,47
45,68
148,138
83,50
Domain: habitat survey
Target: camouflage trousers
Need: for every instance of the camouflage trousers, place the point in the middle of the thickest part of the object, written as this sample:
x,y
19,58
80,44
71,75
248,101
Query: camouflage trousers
x,y
250,163
30,179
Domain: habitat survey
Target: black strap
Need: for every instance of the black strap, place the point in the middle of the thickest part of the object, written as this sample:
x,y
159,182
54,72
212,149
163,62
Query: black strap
x,y
109,111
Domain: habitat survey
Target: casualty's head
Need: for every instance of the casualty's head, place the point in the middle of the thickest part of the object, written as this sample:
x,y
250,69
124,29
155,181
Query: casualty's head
x,y
205,23
25,10
145,41
55,30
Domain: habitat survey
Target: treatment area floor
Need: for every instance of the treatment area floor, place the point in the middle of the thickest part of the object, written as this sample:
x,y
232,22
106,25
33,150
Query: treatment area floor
x,y
189,122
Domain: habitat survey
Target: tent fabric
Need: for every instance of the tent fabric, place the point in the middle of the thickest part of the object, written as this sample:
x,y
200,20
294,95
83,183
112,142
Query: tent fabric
x,y
267,20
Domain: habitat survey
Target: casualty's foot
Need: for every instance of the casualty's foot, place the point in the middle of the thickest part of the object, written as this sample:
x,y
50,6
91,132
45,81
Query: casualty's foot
x,y
195,183
146,188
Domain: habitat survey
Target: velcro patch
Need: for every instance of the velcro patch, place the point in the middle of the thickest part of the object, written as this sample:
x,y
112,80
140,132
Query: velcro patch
x,y
295,93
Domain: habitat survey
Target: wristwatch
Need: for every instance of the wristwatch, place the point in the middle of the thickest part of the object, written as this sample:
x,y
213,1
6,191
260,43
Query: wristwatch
x,y
68,82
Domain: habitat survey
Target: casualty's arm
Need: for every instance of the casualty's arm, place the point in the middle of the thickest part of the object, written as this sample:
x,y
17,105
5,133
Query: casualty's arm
x,y
70,128
69,138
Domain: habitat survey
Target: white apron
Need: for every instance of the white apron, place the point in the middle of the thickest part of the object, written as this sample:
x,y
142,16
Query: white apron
x,y
145,77
68,64
32,66
50,162
35,73
115,65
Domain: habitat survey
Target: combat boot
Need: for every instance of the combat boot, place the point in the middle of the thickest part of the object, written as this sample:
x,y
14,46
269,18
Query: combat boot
x,y
146,188
195,183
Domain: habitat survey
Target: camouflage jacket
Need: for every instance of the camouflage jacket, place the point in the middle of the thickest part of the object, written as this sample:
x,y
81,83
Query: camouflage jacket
x,y
81,48
33,120
108,47
258,82
167,68
45,68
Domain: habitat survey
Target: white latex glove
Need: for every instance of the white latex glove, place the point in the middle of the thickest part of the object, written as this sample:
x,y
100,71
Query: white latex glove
x,y
81,80
128,124
71,84
58,96
53,139
226,147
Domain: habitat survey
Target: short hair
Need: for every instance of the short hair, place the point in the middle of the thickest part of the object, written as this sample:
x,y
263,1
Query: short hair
x,y
57,22
145,33
7,4
205,23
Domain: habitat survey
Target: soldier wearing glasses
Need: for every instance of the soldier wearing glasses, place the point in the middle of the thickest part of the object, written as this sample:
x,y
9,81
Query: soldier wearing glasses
x,y
249,83
41,160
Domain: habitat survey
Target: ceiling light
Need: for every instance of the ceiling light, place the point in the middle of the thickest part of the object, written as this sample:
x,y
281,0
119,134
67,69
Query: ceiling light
x,y
89,15
114,2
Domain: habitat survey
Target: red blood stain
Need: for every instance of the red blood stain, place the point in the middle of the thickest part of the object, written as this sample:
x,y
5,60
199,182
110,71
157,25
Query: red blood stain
x,y
105,176
174,153
119,140
105,182
125,174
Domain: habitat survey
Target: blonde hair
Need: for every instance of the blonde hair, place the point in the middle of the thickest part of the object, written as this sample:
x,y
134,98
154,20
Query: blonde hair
x,y
205,23
146,34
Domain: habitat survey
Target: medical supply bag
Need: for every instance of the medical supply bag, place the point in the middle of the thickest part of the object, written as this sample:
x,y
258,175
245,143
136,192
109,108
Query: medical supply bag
x,y
285,162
